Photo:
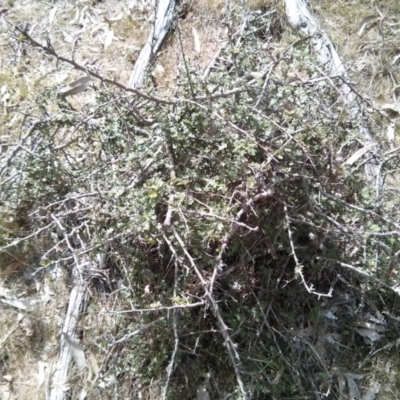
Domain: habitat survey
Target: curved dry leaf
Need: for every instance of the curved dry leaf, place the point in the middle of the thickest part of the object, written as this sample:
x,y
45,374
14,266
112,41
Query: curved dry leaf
x,y
114,19
81,81
7,293
82,17
109,38
392,106
77,86
390,133
43,367
196,40
369,334
82,394
354,392
52,14
99,27
358,154
67,37
370,325
24,304
330,315
76,18
367,23
371,393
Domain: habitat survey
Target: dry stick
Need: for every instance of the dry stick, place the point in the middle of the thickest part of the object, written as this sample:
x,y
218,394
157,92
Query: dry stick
x,y
214,60
233,228
299,267
233,354
66,238
136,332
360,209
214,216
185,62
75,301
50,50
363,273
19,145
162,308
170,152
71,320
17,241
176,336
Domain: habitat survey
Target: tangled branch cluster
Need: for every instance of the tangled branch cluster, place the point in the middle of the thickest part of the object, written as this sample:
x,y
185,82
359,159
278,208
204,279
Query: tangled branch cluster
x,y
229,205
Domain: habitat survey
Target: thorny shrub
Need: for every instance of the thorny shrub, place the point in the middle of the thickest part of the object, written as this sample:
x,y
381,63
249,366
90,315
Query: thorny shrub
x,y
238,181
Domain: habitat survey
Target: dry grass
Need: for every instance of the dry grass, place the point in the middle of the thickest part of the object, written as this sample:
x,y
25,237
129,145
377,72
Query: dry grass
x,y
203,20
29,340
369,56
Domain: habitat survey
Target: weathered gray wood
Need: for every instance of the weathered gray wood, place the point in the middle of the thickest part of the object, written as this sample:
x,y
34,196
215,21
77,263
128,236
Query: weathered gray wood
x,y
60,386
162,23
303,21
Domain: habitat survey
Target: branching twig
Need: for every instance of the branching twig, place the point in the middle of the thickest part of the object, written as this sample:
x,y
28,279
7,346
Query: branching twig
x,y
162,308
136,332
231,347
233,228
48,49
299,266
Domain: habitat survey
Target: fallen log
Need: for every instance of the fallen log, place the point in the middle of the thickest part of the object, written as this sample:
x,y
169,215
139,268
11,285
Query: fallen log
x,y
161,26
301,19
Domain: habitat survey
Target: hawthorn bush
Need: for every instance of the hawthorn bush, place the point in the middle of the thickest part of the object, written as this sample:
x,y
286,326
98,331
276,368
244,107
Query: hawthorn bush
x,y
233,234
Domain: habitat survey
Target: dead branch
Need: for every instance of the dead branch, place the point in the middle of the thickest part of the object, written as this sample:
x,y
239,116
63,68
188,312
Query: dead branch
x,y
303,21
299,266
162,23
171,364
233,354
48,49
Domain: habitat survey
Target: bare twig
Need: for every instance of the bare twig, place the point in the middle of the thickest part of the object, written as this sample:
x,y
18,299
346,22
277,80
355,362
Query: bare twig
x,y
170,152
363,273
136,332
233,228
299,266
51,51
161,308
176,336
231,347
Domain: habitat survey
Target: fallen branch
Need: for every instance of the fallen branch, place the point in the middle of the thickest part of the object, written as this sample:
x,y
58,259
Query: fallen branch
x,y
60,378
162,24
303,21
